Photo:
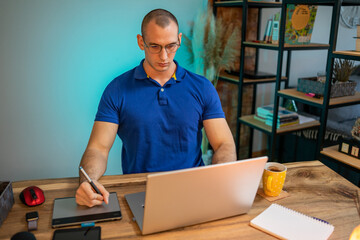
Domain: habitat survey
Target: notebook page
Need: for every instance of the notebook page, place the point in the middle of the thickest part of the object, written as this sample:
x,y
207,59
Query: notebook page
x,y
285,223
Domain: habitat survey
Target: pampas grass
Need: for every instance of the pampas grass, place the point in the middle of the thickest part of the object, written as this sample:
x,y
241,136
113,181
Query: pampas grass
x,y
211,45
212,48
343,69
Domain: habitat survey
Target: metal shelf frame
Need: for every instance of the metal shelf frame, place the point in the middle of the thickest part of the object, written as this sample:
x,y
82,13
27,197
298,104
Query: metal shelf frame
x,y
324,105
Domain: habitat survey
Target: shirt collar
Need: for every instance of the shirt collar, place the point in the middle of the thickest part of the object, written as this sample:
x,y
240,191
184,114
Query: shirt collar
x,y
177,76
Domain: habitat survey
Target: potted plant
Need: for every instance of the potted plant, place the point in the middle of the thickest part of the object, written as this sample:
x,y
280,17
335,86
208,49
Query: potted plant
x,y
341,85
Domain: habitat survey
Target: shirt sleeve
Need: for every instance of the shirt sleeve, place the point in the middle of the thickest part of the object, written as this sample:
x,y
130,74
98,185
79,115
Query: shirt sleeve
x,y
212,108
108,110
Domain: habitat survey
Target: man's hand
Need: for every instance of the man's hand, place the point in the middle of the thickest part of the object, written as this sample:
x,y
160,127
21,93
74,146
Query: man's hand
x,y
85,195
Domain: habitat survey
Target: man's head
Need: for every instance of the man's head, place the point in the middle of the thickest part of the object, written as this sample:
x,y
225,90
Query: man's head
x,y
162,18
160,40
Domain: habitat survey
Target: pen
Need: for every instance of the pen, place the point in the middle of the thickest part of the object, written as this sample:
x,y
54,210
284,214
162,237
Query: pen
x,y
90,181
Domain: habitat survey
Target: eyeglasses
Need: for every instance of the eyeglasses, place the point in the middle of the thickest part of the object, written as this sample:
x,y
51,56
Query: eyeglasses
x,y
155,48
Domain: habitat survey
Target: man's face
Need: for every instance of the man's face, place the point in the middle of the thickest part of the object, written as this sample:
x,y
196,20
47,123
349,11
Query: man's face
x,y
156,35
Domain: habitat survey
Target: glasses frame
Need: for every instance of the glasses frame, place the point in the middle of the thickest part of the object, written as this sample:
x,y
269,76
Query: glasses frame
x,y
151,50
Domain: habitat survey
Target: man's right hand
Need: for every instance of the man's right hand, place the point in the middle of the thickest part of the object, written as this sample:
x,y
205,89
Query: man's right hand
x,y
85,195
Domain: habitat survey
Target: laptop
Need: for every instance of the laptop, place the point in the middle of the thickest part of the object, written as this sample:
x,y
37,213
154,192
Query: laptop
x,y
186,197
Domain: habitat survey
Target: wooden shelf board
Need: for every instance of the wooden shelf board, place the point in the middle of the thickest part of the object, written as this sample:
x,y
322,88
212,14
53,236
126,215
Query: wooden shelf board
x,y
266,128
314,45
229,77
349,53
264,3
333,153
248,80
239,3
292,92
262,44
228,3
333,101
310,45
235,79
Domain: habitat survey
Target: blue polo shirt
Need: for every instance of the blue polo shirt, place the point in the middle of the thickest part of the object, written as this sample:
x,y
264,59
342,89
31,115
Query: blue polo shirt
x,y
160,127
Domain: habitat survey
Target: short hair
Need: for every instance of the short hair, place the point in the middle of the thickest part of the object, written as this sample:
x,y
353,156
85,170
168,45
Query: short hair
x,y
162,18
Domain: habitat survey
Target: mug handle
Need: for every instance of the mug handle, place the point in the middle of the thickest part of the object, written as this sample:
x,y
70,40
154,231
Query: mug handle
x,y
268,183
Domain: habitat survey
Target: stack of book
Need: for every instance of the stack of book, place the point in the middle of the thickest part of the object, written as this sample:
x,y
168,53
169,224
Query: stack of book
x,y
262,112
271,34
285,117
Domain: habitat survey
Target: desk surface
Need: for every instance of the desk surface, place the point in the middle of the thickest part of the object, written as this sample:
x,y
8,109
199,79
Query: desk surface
x,y
314,190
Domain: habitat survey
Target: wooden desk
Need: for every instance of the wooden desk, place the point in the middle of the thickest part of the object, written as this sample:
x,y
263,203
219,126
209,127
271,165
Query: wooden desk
x,y
314,190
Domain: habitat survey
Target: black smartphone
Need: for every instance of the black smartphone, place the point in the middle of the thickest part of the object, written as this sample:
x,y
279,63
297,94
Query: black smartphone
x,y
83,233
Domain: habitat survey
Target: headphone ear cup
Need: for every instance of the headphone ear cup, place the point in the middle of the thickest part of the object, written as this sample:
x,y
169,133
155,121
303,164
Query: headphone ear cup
x,y
23,236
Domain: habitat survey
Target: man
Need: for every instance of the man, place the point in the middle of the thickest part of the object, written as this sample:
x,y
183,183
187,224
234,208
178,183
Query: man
x,y
158,110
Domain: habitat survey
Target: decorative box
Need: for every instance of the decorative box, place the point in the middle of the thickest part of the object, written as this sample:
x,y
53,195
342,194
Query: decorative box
x,y
339,89
350,147
310,85
6,200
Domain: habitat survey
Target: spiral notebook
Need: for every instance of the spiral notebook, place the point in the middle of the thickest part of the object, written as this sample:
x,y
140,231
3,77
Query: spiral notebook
x,y
285,223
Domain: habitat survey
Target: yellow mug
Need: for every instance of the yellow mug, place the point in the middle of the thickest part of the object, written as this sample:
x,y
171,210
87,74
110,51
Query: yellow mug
x,y
273,178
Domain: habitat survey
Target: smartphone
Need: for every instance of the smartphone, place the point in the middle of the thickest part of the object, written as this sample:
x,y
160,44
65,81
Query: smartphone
x,y
83,233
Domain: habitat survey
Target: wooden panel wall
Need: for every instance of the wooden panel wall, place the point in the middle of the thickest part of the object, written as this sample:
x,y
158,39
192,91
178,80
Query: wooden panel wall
x,y
228,92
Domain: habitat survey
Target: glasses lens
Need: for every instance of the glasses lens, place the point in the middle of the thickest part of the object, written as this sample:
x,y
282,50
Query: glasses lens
x,y
155,48
171,48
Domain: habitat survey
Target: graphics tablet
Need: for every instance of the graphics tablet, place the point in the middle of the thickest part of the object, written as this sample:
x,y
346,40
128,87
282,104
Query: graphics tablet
x,y
67,212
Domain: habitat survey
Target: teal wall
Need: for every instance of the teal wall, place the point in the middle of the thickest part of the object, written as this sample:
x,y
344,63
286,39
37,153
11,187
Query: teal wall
x,y
56,58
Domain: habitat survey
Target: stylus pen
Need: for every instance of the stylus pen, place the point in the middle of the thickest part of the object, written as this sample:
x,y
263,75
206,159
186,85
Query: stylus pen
x,y
90,181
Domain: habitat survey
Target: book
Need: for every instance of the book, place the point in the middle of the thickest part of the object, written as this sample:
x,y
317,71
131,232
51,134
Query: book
x,y
279,125
299,23
275,28
285,223
259,118
268,109
267,32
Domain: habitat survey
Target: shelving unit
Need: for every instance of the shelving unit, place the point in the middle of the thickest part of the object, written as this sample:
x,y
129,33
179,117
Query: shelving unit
x,y
333,153
343,162
340,162
286,93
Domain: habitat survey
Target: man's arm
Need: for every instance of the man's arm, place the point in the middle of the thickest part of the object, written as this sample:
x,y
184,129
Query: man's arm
x,y
94,162
221,140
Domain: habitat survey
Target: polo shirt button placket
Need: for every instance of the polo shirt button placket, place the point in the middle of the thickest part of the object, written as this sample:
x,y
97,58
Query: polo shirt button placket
x,y
162,97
